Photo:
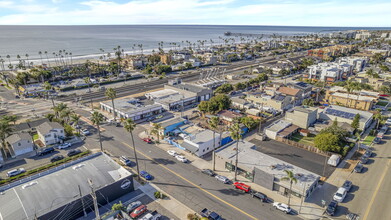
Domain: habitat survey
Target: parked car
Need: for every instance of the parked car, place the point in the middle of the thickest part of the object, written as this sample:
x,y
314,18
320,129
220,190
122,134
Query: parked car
x,y
73,152
64,145
376,140
132,206
45,151
159,116
56,158
384,129
85,132
181,158
125,161
208,172
144,174
352,216
368,153
242,186
331,208
172,153
210,214
138,211
222,179
148,140
282,207
358,168
364,159
259,196
15,172
340,195
347,185
388,122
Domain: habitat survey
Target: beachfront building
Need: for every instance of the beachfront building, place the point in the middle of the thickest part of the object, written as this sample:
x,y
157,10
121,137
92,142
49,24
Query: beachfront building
x,y
343,114
265,170
329,72
135,109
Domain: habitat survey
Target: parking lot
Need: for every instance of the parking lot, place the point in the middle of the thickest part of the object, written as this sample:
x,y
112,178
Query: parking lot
x,y
299,157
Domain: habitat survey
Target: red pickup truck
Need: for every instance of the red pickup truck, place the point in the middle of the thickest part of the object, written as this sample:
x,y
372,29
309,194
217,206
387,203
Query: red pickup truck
x,y
242,186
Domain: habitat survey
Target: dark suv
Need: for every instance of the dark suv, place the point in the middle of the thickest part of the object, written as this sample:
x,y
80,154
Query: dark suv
x,y
44,151
259,196
73,152
331,208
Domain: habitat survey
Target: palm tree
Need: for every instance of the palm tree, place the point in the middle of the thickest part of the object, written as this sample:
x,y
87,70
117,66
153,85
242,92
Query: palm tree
x,y
111,94
47,86
213,124
236,135
59,108
47,57
129,126
379,117
290,176
87,80
96,119
349,88
5,130
75,118
65,114
10,118
156,130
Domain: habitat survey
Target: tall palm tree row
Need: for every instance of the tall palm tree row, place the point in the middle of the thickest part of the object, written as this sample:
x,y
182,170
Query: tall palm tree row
x,y
5,131
236,134
290,176
213,124
97,118
112,94
129,126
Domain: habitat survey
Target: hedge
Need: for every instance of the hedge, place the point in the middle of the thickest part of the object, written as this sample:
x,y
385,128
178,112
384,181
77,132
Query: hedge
x,y
40,169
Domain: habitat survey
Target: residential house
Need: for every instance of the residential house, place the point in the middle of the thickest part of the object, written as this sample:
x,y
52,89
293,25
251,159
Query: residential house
x,y
306,88
20,143
229,116
295,94
51,133
280,128
271,103
301,116
240,103
28,126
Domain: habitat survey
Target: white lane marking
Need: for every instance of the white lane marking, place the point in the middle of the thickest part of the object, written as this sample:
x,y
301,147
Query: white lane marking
x,y
21,203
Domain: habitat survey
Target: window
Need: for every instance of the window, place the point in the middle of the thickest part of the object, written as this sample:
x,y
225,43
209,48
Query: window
x,y
19,144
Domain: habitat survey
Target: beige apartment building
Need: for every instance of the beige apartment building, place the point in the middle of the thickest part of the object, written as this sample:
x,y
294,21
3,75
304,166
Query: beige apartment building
x,y
301,116
277,102
355,101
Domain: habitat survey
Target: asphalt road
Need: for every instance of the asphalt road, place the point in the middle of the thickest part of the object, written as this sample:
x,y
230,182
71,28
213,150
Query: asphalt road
x,y
370,197
185,182
296,156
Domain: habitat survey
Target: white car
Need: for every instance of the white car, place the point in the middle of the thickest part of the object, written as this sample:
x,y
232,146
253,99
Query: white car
x,y
85,132
283,207
15,172
172,153
340,195
222,179
64,145
388,122
181,158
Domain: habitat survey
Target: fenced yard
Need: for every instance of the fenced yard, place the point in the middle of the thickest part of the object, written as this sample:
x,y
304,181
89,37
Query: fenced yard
x,y
309,140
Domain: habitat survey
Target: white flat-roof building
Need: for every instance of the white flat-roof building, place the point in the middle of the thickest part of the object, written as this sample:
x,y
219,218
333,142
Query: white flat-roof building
x,y
265,170
329,72
201,143
273,129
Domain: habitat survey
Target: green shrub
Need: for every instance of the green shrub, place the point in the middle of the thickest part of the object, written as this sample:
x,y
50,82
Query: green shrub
x,y
159,195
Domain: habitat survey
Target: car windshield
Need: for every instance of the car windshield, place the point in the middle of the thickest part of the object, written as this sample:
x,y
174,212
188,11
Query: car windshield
x,y
338,194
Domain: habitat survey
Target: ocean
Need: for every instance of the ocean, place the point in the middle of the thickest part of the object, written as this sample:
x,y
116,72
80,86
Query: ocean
x,y
86,41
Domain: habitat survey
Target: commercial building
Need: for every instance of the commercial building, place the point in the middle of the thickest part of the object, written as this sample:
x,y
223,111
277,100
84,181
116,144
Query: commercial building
x,y
200,143
301,116
20,143
265,170
50,133
343,114
64,192
191,90
169,126
132,108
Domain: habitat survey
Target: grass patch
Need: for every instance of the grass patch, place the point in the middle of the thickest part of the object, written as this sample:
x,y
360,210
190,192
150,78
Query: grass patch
x,y
303,140
382,103
35,137
43,168
368,140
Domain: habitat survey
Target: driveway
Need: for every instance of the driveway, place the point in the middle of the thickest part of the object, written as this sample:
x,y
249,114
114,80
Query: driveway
x,y
299,157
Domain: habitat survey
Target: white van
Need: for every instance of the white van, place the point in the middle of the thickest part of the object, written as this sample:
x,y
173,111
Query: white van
x,y
334,160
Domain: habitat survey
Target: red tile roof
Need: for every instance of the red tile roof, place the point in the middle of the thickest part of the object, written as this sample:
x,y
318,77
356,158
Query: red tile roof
x,y
288,91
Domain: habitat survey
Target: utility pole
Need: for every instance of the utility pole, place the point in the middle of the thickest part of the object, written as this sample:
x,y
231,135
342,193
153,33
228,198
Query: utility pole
x,y
82,202
93,195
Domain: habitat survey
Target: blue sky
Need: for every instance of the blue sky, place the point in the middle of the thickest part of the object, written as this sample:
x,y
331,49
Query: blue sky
x,y
355,13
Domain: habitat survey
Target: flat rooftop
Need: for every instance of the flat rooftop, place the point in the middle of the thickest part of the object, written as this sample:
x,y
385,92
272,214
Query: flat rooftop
x,y
202,136
126,105
303,109
250,157
278,125
161,93
348,113
189,87
49,192
354,97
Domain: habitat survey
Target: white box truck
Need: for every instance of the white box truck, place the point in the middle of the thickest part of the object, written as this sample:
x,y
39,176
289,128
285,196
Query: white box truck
x,y
334,160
